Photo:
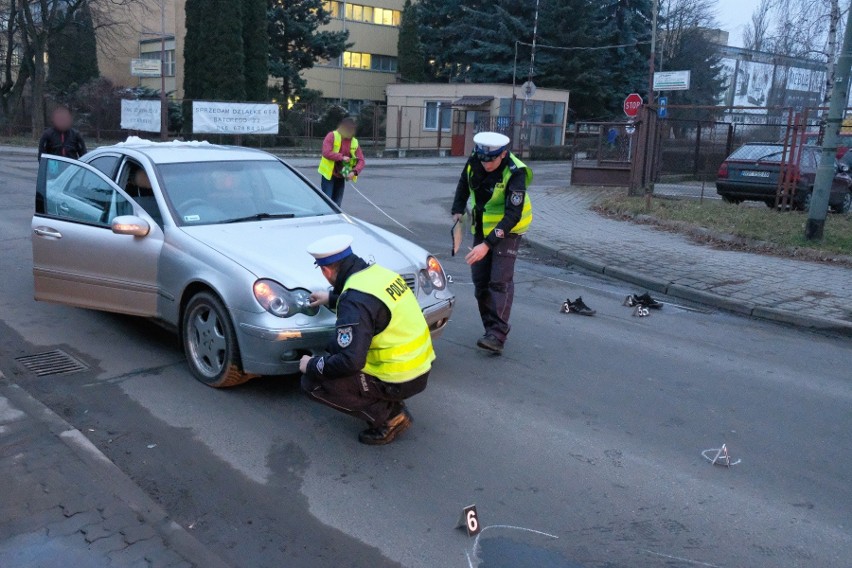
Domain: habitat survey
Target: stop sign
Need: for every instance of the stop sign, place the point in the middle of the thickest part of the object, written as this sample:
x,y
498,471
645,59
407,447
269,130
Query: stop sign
x,y
632,104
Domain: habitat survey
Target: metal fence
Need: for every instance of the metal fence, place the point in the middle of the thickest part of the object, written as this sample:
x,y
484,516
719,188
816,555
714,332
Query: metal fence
x,y
381,130
689,152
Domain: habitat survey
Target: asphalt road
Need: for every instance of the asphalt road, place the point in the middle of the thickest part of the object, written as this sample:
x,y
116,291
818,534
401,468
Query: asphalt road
x,y
587,430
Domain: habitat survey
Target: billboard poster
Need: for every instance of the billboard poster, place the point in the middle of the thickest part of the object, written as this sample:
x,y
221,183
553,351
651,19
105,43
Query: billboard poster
x,y
727,67
234,118
752,85
140,115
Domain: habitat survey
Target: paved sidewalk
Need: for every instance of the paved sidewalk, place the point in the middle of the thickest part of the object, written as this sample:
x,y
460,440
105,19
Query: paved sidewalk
x,y
802,293
64,504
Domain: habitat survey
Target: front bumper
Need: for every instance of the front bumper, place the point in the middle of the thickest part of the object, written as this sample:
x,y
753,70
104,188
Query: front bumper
x,y
277,351
438,316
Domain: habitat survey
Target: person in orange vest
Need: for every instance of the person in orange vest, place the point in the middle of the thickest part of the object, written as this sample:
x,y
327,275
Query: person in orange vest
x,y
342,159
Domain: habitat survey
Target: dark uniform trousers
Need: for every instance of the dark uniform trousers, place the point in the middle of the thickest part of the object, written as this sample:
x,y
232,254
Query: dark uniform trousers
x,y
364,396
494,286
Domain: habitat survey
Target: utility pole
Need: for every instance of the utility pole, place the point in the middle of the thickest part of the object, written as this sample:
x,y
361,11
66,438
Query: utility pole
x,y
826,170
654,9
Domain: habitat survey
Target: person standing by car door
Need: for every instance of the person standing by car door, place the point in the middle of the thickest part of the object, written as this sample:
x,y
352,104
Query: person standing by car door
x,y
61,139
497,180
382,351
342,160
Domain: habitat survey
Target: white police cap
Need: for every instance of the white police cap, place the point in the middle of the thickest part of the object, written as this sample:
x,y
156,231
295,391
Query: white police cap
x,y
329,250
491,141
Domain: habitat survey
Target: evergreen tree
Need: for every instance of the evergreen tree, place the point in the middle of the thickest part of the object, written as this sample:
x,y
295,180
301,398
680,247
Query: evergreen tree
x,y
72,52
255,50
625,69
570,23
213,51
412,63
695,52
295,42
473,40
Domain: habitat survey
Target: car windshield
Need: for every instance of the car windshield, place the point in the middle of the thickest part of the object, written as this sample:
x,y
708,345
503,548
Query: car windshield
x,y
758,152
205,193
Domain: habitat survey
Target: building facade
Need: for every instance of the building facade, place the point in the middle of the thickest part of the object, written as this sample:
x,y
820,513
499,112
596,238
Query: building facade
x,y
360,75
445,116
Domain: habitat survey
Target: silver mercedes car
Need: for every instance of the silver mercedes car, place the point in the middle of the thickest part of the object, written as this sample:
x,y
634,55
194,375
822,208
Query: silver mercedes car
x,y
210,241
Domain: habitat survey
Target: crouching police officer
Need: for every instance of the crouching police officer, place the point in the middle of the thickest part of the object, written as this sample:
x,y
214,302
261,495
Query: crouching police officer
x,y
382,351
497,180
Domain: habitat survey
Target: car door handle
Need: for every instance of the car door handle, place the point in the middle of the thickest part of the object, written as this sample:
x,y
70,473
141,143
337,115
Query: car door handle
x,y
47,232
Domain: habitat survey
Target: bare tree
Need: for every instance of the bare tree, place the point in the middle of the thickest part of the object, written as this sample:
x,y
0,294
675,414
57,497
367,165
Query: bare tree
x,y
755,34
27,27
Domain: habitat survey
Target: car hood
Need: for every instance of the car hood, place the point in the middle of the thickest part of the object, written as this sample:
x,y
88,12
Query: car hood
x,y
276,248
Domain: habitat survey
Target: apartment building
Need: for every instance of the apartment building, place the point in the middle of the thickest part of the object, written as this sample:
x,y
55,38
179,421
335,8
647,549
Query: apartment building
x,y
360,75
365,70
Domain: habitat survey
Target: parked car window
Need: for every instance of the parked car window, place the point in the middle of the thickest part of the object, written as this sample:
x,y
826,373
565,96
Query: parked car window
x,y
105,164
204,193
75,193
762,152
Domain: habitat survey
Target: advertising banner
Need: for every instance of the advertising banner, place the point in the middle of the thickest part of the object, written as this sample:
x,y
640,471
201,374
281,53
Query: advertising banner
x,y
234,118
140,115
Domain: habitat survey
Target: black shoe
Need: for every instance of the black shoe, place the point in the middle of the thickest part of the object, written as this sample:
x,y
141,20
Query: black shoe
x,y
490,343
647,301
388,432
579,307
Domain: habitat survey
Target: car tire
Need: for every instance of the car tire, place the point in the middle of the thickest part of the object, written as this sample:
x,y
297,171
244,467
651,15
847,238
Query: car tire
x,y
804,204
732,200
844,206
210,343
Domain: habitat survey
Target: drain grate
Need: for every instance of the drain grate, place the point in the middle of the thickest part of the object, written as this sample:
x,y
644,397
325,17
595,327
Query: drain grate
x,y
56,362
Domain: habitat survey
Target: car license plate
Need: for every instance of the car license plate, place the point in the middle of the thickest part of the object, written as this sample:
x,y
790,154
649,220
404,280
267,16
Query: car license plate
x,y
755,174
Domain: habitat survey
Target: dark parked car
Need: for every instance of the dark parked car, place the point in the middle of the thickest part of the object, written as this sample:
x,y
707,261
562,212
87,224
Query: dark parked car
x,y
751,173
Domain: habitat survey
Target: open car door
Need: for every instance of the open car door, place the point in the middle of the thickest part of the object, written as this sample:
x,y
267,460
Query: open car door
x,y
90,244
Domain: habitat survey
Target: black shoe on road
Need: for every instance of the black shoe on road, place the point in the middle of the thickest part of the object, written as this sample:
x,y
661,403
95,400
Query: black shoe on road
x,y
579,307
647,301
388,432
490,343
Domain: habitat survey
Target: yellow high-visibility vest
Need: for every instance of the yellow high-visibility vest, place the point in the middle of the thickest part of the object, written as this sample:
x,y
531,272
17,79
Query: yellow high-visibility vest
x,y
326,167
495,207
403,350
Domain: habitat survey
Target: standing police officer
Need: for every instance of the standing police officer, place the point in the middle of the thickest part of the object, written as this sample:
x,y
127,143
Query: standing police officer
x,y
382,352
497,181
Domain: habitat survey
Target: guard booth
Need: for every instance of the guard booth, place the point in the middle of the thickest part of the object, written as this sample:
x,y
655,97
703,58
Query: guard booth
x,y
470,113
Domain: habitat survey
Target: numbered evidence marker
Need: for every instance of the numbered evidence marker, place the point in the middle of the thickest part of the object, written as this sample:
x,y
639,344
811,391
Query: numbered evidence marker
x,y
469,521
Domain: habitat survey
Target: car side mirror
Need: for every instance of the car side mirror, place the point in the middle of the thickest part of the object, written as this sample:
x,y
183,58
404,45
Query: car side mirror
x,y
130,225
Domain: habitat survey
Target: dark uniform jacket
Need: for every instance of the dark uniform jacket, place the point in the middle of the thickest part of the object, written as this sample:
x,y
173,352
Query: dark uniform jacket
x,y
483,186
360,316
69,143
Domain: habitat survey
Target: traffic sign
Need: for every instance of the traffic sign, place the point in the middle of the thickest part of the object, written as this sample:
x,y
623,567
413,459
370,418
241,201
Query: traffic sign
x,y
663,111
528,88
632,104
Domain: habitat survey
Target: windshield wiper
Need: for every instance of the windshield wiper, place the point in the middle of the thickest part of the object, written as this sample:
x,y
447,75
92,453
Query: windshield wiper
x,y
261,217
757,161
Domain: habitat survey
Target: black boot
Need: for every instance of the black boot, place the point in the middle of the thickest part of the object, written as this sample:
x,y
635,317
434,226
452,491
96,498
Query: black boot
x,y
490,343
579,307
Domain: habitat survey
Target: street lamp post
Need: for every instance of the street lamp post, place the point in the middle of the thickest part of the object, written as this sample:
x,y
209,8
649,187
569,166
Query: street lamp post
x,y
164,108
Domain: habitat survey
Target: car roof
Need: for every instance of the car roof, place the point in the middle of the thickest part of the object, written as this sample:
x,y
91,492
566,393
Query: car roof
x,y
178,151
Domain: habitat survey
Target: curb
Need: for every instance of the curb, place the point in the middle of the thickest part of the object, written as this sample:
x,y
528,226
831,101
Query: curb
x,y
699,296
114,479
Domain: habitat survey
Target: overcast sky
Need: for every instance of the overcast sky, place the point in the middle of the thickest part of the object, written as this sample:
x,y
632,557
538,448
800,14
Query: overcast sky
x,y
733,15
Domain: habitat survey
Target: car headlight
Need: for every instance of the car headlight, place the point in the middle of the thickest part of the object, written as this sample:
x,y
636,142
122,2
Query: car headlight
x,y
433,276
281,302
